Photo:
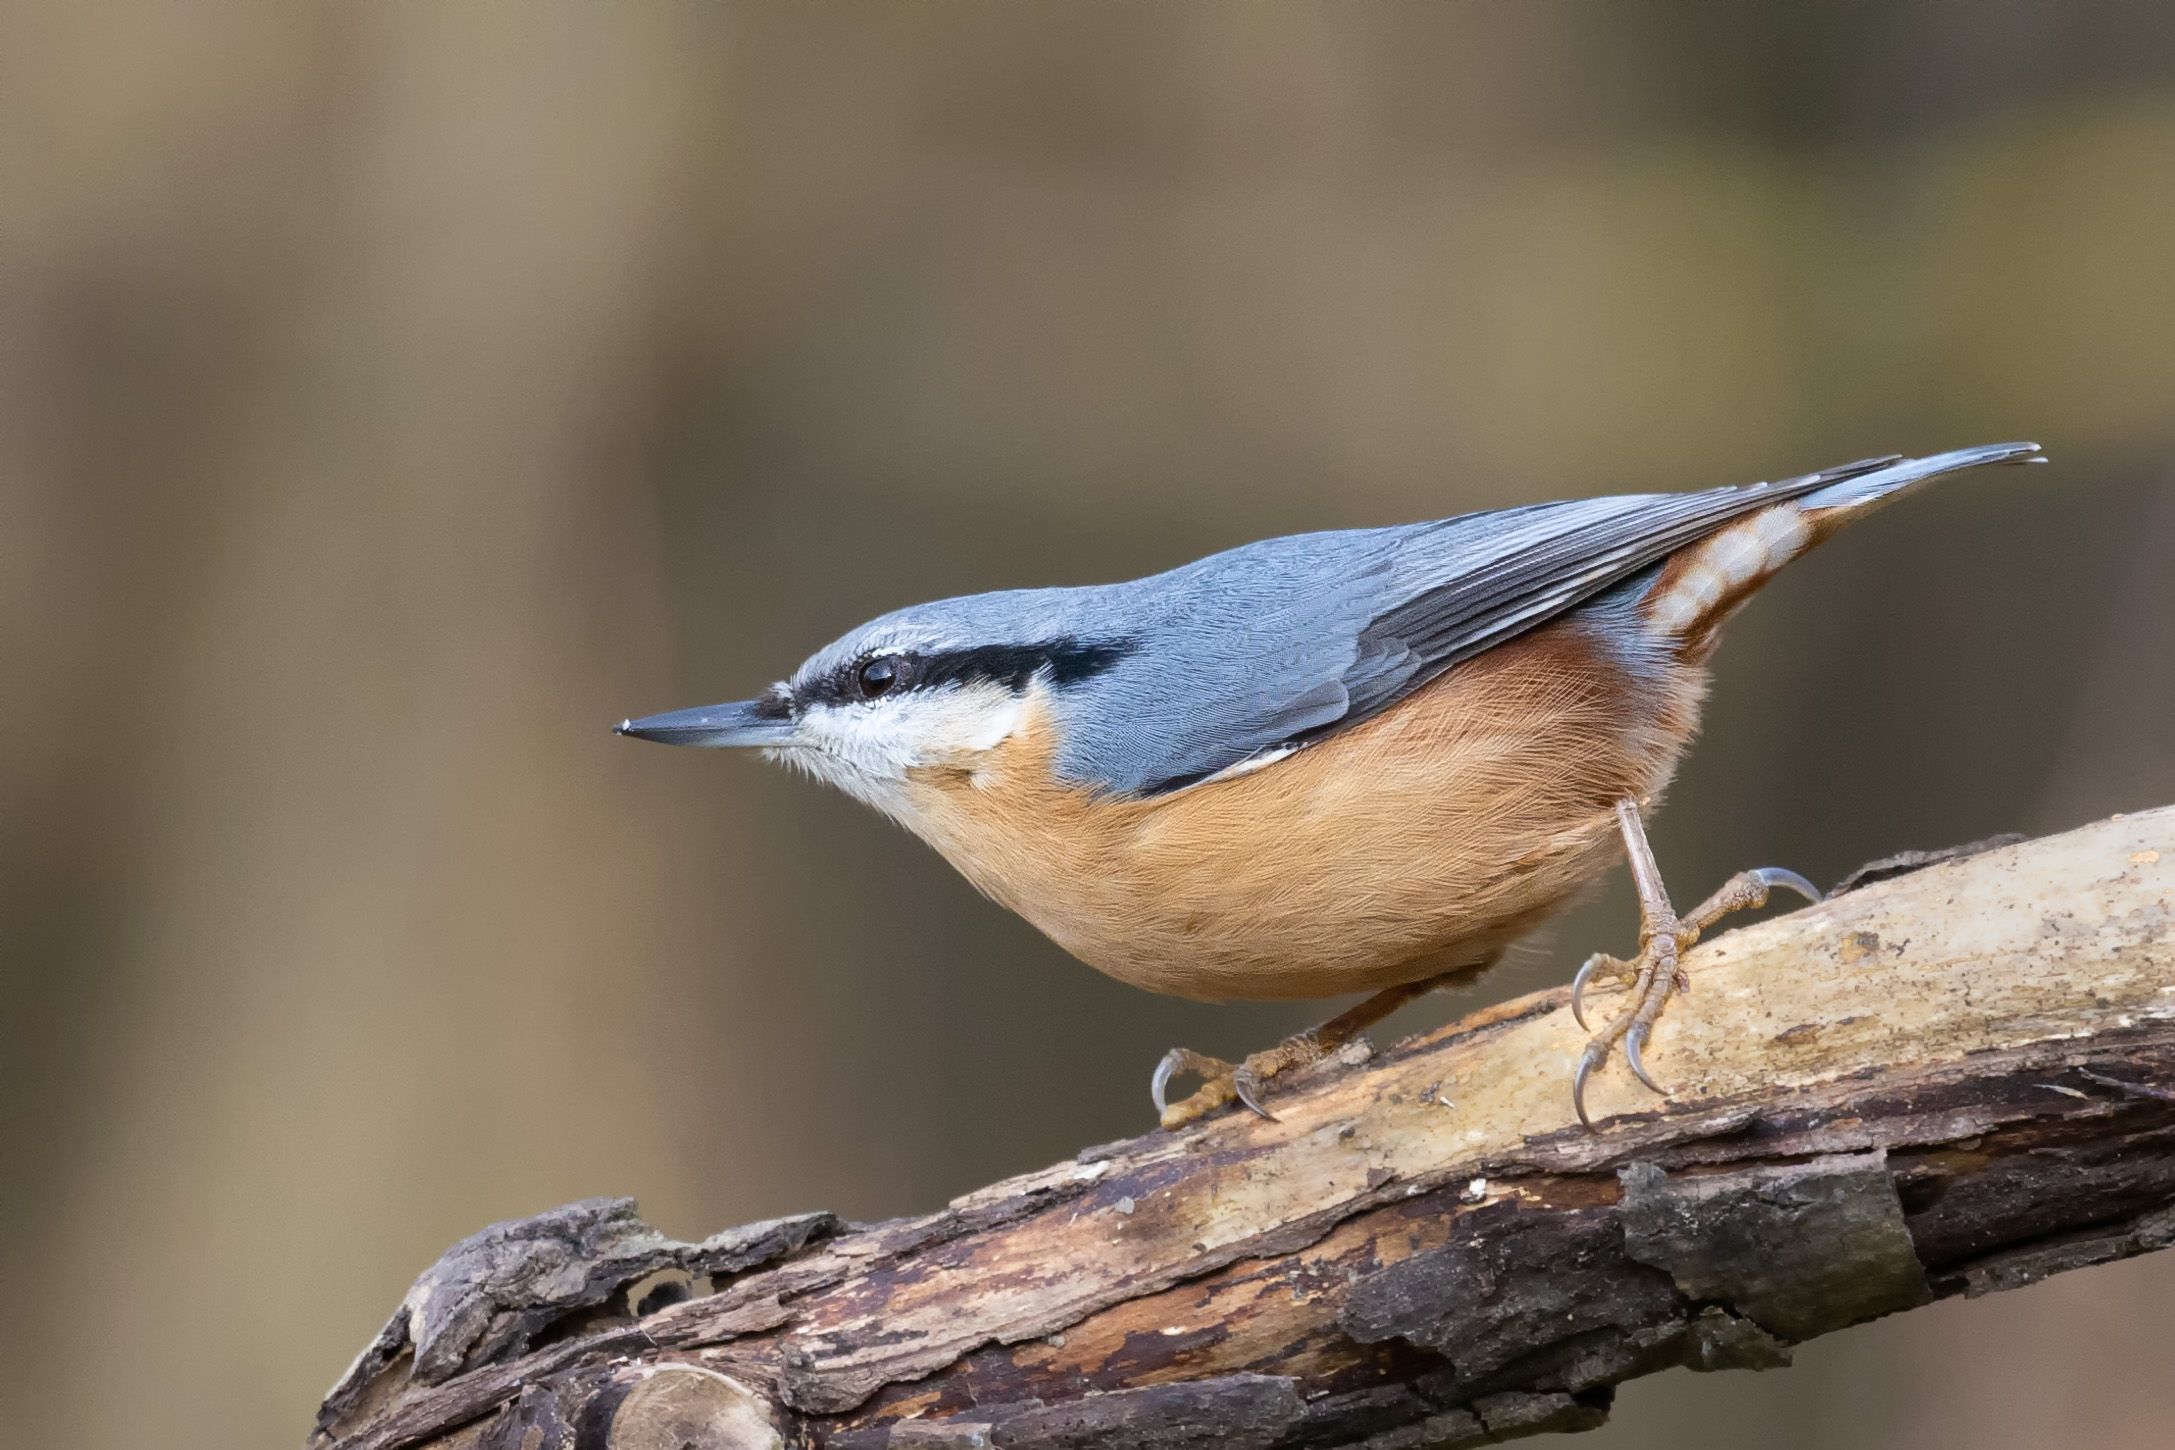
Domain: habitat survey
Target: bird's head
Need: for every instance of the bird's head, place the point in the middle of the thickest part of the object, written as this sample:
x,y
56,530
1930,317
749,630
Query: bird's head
x,y
937,686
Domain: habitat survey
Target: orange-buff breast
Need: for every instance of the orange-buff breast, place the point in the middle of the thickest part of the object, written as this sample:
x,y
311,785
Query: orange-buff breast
x,y
1419,842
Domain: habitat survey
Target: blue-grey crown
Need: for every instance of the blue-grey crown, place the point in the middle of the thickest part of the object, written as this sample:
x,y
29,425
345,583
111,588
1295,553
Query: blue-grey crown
x,y
1008,639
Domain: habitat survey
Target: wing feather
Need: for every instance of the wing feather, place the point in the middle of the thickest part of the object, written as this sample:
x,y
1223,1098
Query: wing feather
x,y
1282,643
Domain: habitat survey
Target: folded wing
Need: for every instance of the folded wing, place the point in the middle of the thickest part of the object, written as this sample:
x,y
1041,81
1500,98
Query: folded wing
x,y
1267,648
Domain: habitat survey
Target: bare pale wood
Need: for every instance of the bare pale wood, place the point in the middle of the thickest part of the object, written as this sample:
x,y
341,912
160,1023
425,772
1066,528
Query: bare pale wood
x,y
1957,1080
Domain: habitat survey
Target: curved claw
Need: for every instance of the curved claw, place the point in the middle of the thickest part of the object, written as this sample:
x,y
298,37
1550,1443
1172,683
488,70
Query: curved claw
x,y
1774,876
1586,1062
1578,991
1248,1088
1159,1085
1634,1040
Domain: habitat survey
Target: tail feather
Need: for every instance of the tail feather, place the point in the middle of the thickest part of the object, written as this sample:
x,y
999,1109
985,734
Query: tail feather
x,y
1881,484
1704,583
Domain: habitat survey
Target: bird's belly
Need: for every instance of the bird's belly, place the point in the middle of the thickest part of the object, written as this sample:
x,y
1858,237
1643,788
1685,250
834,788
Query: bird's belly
x,y
1320,913
1421,841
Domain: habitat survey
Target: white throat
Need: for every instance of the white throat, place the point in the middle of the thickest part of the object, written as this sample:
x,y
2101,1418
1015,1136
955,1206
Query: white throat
x,y
867,747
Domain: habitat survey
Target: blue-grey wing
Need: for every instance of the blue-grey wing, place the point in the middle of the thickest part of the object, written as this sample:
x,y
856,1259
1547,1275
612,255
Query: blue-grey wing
x,y
1277,644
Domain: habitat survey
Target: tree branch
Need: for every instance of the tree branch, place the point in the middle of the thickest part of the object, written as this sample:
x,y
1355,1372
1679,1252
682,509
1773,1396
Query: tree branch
x,y
1953,1081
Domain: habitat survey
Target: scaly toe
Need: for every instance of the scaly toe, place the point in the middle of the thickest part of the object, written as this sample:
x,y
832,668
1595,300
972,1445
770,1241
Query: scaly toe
x,y
1218,1094
1258,1070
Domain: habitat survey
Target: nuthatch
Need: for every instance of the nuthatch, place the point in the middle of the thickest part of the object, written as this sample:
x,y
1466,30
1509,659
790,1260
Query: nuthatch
x,y
1362,760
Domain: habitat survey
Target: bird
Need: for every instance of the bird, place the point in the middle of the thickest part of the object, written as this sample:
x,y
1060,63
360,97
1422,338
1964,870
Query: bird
x,y
1359,760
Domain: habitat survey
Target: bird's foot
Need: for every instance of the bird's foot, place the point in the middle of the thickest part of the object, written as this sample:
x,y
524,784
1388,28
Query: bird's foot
x,y
1223,1083
1657,973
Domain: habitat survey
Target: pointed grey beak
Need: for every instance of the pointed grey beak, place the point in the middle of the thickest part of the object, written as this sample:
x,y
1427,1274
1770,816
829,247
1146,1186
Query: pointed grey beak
x,y
741,723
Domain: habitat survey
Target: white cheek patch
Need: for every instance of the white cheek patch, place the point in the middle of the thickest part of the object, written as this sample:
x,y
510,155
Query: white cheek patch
x,y
867,748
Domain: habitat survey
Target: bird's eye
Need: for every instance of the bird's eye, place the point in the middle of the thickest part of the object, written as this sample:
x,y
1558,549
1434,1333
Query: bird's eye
x,y
877,676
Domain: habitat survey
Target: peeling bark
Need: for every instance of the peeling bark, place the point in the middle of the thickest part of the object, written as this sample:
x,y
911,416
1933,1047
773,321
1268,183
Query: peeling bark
x,y
1952,1080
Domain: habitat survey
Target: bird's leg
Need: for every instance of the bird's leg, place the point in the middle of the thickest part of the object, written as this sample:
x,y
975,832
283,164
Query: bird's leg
x,y
1224,1083
1656,973
1746,891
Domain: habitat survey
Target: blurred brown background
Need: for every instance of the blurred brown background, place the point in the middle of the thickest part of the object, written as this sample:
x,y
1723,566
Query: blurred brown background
x,y
392,396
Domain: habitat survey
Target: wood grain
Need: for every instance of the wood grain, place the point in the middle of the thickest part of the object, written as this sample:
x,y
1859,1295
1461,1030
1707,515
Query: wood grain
x,y
1947,1082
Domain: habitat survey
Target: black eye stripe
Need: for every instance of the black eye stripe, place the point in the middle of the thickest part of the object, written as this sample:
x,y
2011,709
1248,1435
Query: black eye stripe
x,y
1063,661
1067,662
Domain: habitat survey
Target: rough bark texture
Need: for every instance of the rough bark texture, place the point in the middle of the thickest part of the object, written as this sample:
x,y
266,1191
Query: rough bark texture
x,y
1950,1081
